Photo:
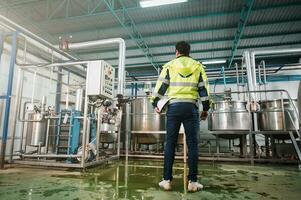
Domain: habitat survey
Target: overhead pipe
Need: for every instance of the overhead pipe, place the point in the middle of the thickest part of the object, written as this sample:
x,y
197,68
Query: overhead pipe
x,y
253,54
121,63
8,98
40,43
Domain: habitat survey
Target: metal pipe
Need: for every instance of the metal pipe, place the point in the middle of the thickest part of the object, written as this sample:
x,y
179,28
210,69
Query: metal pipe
x,y
128,128
267,52
73,63
121,63
247,63
33,86
8,97
237,78
84,135
50,156
47,135
17,103
38,42
264,77
18,92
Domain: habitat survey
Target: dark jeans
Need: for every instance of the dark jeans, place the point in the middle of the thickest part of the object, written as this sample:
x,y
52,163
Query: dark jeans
x,y
188,114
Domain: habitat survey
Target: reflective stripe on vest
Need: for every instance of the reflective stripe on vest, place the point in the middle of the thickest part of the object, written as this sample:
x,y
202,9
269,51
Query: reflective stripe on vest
x,y
183,84
182,101
166,81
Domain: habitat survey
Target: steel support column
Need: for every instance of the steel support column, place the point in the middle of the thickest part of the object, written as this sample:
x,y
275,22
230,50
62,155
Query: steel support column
x,y
8,98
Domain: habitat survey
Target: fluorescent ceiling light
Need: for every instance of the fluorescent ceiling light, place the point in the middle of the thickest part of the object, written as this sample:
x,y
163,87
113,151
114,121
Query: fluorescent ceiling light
x,y
152,3
214,62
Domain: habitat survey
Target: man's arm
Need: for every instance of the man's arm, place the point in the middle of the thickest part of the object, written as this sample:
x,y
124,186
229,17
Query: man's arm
x,y
161,86
203,89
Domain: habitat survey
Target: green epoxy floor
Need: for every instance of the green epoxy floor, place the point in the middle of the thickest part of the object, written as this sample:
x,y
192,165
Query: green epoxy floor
x,y
139,180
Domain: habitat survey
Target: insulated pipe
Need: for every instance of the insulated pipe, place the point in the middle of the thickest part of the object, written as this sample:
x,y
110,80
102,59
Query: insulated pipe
x,y
8,97
38,42
267,52
8,23
121,63
247,63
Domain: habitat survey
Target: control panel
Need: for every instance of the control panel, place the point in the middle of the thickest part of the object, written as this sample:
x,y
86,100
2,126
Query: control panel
x,y
100,79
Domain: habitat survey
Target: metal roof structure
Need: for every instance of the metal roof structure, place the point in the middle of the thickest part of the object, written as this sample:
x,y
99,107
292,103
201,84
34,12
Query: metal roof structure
x,y
216,29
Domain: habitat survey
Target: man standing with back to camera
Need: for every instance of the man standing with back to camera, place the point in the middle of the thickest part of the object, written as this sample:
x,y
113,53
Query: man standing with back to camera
x,y
184,81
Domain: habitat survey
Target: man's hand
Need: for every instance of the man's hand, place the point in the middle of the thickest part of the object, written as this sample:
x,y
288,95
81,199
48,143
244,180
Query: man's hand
x,y
204,115
157,110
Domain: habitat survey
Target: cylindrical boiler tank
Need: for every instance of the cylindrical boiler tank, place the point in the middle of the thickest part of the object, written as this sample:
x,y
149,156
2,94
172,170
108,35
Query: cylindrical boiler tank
x,y
271,117
145,120
144,117
229,115
36,131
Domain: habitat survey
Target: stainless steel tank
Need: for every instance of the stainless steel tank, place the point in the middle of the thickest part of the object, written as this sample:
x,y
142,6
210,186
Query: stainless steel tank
x,y
145,120
229,115
271,118
36,131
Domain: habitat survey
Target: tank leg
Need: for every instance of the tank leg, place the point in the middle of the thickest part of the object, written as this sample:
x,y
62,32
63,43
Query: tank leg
x,y
217,145
273,148
243,146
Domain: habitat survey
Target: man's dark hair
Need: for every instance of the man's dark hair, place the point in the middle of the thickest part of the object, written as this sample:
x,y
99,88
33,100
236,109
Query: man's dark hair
x,y
183,48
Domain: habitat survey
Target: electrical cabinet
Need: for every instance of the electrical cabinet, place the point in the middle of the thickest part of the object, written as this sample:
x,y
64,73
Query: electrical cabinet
x,y
100,79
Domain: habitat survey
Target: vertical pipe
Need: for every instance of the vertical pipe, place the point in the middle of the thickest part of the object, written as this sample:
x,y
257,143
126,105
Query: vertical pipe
x,y
33,86
224,77
58,97
98,132
128,129
253,68
20,94
243,81
259,80
264,78
84,136
18,99
47,135
8,98
237,79
251,131
136,89
67,95
1,46
15,114
250,78
282,110
132,89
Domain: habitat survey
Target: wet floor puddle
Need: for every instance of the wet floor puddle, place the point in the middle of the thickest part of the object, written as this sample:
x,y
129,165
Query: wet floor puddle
x,y
138,179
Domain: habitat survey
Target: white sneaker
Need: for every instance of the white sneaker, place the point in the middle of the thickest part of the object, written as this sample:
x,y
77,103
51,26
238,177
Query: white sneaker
x,y
165,185
194,186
